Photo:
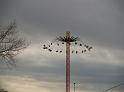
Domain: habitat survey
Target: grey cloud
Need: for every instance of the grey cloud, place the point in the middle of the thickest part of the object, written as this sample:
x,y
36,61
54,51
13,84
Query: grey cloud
x,y
86,74
100,22
86,71
97,20
92,22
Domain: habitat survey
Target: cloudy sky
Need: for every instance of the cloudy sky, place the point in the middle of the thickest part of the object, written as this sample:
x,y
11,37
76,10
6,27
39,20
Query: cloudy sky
x,y
99,23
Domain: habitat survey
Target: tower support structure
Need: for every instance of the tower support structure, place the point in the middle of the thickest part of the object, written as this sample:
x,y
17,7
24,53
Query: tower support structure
x,y
68,40
68,62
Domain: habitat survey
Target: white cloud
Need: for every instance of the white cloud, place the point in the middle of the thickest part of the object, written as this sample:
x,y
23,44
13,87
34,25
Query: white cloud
x,y
24,84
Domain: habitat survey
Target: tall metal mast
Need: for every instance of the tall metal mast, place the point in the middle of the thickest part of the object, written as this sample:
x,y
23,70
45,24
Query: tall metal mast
x,y
68,62
74,87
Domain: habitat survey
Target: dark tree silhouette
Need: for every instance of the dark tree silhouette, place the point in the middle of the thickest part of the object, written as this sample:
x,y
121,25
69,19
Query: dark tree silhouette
x,y
2,90
10,43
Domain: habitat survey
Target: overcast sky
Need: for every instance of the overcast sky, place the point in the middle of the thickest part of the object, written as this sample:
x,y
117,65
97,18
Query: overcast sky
x,y
99,23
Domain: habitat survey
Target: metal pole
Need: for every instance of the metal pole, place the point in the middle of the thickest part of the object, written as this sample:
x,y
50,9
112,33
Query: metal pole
x,y
68,62
74,87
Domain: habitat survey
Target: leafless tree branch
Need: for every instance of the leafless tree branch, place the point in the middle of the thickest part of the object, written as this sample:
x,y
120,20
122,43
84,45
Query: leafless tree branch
x,y
10,44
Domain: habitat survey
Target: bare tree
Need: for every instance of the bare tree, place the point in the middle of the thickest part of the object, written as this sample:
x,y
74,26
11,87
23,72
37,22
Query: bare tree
x,y
10,43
